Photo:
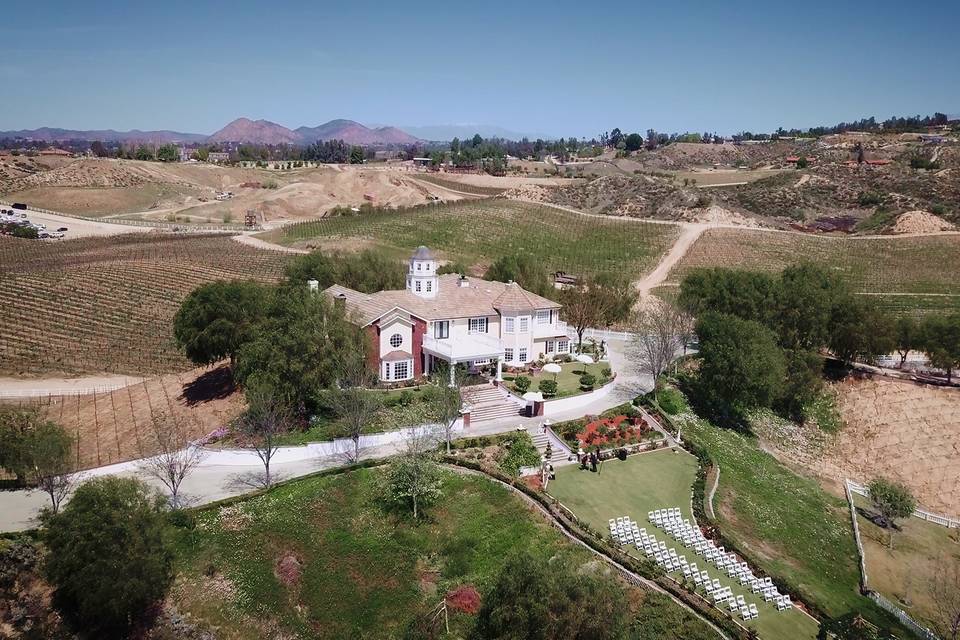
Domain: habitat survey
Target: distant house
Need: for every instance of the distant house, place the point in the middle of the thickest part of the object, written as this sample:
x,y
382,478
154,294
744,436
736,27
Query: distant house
x,y
218,156
186,153
55,152
564,280
453,319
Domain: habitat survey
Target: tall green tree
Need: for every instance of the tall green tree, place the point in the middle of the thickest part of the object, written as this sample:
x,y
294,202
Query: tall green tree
x,y
301,348
806,298
907,337
859,330
523,269
741,367
216,319
749,295
109,558
940,337
367,271
168,153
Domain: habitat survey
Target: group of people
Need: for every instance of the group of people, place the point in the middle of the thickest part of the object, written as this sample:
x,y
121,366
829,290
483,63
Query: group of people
x,y
592,459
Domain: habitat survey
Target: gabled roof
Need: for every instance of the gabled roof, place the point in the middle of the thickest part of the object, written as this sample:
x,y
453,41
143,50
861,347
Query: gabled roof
x,y
477,298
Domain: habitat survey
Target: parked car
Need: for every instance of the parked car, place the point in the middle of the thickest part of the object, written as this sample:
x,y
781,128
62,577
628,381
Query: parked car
x,y
62,229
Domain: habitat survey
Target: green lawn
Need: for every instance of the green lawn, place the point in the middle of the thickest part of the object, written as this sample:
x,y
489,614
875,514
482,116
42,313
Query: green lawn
x,y
786,522
651,481
477,232
568,380
324,557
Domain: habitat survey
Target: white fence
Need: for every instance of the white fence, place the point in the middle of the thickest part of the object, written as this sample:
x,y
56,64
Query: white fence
x,y
943,521
921,631
155,224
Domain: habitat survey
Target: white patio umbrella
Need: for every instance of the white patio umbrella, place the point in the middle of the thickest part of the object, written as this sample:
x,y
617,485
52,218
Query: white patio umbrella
x,y
553,368
585,359
533,396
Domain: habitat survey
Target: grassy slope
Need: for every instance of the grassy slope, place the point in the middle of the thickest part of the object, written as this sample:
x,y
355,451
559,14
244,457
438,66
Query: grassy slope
x,y
361,564
652,481
480,231
891,266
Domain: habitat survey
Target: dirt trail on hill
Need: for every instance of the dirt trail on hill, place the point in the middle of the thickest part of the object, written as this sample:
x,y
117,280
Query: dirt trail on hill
x,y
689,234
263,244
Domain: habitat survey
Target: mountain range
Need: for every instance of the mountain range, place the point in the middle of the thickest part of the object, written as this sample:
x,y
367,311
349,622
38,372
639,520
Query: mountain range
x,y
241,130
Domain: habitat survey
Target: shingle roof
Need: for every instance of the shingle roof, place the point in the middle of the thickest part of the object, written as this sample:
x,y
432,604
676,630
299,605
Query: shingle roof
x,y
479,298
394,356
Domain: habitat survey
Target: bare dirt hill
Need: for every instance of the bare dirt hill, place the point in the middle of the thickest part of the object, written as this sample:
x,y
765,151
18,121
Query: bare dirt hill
x,y
107,187
904,431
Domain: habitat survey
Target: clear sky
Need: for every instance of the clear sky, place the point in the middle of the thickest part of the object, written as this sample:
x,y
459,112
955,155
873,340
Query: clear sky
x,y
562,68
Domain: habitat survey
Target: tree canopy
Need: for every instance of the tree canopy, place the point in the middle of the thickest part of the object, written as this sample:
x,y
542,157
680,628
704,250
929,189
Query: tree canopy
x,y
217,318
109,558
367,271
300,349
523,269
741,367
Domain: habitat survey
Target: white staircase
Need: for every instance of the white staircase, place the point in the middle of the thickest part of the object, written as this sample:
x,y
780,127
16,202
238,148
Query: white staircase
x,y
488,404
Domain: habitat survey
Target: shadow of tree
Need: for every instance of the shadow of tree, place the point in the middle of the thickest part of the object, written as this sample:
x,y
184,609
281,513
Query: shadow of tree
x,y
215,384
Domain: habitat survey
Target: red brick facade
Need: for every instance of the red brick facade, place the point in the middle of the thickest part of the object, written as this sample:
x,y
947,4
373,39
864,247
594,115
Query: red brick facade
x,y
373,347
419,330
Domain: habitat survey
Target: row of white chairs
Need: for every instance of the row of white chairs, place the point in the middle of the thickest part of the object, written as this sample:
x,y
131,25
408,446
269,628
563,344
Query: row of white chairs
x,y
671,520
670,560
624,530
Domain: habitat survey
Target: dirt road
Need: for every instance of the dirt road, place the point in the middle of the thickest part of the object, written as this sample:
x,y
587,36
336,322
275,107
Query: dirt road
x,y
251,241
40,387
688,235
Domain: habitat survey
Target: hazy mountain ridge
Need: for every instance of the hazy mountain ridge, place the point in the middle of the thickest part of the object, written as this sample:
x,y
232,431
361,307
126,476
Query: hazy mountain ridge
x,y
241,130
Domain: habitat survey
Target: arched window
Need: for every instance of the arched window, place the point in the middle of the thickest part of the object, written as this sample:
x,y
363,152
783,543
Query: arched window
x,y
396,340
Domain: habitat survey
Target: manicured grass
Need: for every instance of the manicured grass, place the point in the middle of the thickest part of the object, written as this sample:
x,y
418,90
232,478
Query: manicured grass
x,y
478,232
786,522
651,481
365,570
568,380
905,572
892,266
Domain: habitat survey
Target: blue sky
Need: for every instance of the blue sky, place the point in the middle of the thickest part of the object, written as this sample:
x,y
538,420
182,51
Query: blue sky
x,y
562,68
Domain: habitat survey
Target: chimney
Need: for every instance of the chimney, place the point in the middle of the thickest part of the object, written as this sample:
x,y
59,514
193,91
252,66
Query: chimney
x,y
313,285
340,301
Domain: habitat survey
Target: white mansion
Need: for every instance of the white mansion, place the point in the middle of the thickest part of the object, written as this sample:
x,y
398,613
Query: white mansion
x,y
453,318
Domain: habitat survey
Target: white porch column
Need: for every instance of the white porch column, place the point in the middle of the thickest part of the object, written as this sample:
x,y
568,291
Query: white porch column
x,y
453,366
499,369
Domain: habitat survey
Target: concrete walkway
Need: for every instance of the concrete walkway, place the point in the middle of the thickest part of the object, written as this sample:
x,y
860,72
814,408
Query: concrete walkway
x,y
212,482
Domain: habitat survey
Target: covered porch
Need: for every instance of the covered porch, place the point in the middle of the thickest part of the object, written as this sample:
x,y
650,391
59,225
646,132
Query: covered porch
x,y
473,350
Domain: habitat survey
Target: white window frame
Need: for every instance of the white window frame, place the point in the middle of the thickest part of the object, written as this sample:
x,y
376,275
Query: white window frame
x,y
429,286
563,346
406,370
477,325
418,266
417,286
508,354
523,354
551,346
437,324
543,316
524,324
508,325
400,342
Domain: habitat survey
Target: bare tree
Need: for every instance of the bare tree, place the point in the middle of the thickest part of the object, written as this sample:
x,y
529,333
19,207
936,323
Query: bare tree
x,y
355,403
168,453
661,330
265,420
580,309
355,407
945,595
449,402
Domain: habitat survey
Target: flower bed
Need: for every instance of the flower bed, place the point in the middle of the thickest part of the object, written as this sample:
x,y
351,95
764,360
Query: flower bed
x,y
615,431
